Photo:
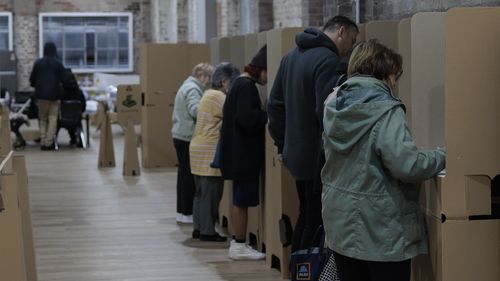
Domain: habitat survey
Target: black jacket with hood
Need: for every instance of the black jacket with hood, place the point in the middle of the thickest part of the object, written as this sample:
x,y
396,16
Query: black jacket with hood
x,y
305,77
47,74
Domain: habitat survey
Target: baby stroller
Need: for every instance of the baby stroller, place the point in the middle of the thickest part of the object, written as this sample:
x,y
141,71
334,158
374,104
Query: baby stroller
x,y
22,109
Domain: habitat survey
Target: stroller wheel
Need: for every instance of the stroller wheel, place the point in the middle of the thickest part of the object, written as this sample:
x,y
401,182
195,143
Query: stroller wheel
x,y
19,144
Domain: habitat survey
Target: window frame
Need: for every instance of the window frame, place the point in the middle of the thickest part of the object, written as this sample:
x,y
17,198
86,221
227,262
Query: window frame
x,y
130,67
10,29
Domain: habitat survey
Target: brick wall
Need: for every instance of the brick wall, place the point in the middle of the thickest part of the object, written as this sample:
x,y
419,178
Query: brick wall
x,y
26,25
182,20
287,13
5,5
395,9
266,15
228,17
163,21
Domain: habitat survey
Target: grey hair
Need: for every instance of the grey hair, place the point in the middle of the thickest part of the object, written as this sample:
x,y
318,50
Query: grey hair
x,y
224,71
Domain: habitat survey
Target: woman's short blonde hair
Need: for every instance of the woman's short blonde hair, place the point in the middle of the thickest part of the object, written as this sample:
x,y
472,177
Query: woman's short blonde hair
x,y
203,69
375,59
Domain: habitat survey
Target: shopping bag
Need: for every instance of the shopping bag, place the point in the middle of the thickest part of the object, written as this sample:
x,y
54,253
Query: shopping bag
x,y
307,264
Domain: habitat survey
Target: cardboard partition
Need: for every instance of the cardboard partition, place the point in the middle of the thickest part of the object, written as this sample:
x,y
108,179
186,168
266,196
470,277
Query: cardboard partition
x,y
471,105
362,33
12,264
385,31
19,166
404,83
237,49
220,50
280,196
106,147
5,140
226,206
460,250
131,165
163,68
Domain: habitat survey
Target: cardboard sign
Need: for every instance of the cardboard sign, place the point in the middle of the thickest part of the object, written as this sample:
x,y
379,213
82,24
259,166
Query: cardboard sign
x,y
128,104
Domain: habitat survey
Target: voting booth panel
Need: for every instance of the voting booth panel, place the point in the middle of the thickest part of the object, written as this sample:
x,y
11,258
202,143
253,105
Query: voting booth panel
x,y
281,201
163,68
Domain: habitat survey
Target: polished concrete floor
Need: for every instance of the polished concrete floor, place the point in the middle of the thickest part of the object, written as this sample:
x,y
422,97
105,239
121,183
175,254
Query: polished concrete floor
x,y
94,224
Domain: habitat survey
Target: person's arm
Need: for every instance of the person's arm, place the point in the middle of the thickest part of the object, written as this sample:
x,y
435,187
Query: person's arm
x,y
276,111
249,115
324,80
193,97
33,75
395,146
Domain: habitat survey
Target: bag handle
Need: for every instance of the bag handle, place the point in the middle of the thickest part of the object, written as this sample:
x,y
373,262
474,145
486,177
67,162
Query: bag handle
x,y
320,233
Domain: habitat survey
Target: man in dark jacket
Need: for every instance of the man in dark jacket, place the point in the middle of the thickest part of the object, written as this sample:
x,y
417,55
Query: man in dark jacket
x,y
46,78
305,77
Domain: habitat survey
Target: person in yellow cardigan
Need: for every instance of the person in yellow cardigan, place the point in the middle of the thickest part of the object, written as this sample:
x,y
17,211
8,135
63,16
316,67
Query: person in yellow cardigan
x,y
208,181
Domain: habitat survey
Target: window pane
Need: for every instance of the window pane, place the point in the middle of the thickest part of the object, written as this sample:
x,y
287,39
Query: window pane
x,y
55,37
4,41
106,58
73,40
97,21
4,23
73,59
123,40
71,21
123,58
107,40
123,23
90,49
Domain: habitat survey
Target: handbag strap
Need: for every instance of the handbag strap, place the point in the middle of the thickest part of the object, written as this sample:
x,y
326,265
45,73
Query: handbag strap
x,y
320,233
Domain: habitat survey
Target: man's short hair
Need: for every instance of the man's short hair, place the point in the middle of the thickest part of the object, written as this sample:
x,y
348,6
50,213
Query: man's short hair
x,y
336,22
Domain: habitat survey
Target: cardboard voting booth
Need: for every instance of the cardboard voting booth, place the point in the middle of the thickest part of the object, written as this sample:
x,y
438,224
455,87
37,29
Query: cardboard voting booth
x,y
404,49
163,68
220,51
454,103
128,106
281,201
17,254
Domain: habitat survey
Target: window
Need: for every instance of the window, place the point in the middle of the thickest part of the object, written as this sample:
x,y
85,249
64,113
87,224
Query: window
x,y
90,42
5,31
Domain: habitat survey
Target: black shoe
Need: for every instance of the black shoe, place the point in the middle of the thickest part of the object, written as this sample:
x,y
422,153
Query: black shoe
x,y
213,238
48,147
196,234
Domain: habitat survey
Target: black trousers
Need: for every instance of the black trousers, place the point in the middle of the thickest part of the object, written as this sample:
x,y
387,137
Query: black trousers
x,y
185,180
350,269
309,215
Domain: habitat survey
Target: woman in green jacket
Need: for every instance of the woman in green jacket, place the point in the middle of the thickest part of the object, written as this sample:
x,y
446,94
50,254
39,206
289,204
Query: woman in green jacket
x,y
370,203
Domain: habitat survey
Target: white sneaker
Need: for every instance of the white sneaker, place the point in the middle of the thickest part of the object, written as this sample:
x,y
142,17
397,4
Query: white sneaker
x,y
241,251
187,219
178,217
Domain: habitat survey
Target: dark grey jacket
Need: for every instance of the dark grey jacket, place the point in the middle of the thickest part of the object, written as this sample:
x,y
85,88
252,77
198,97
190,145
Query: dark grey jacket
x,y
305,77
48,74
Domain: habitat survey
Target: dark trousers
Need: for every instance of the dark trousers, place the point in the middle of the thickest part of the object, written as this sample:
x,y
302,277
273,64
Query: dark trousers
x,y
185,180
350,269
206,203
309,215
309,192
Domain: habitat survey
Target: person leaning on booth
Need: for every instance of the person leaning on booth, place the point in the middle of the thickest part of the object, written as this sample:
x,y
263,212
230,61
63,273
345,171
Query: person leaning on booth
x,y
184,115
304,79
370,200
208,181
